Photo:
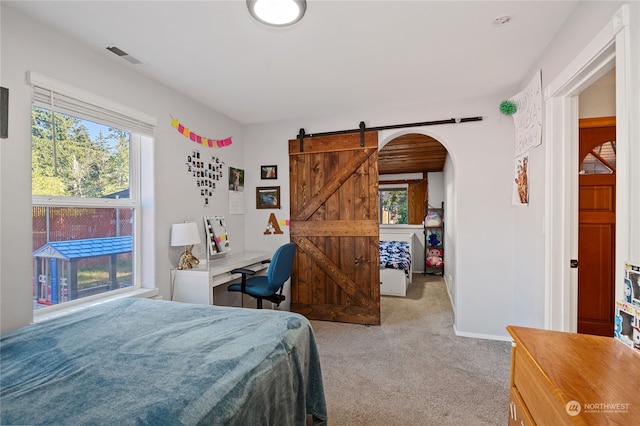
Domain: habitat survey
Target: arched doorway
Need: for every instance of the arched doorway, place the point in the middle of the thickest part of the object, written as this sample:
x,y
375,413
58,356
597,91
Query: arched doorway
x,y
413,153
418,161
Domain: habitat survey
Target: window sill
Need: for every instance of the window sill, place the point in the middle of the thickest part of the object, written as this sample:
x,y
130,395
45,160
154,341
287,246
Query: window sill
x,y
40,316
400,226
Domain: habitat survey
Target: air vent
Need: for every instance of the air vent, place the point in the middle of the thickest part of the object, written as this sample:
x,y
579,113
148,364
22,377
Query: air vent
x,y
124,55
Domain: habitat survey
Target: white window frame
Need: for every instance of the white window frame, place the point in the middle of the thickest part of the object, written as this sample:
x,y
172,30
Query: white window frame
x,y
86,105
386,187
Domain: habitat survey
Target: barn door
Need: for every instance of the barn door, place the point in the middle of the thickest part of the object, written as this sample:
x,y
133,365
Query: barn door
x,y
334,222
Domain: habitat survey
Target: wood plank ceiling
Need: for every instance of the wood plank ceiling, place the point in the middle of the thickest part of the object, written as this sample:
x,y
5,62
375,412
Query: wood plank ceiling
x,y
411,153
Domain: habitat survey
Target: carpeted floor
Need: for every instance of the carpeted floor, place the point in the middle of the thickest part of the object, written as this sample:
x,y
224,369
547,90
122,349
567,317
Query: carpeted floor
x,y
412,369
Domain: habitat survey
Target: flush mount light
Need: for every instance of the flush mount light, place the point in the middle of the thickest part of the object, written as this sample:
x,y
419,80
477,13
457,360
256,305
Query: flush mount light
x,y
278,13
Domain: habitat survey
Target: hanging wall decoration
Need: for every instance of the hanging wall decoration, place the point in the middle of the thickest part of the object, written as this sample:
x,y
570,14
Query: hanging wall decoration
x,y
520,195
274,225
268,197
269,172
236,191
527,116
186,132
508,108
526,110
206,174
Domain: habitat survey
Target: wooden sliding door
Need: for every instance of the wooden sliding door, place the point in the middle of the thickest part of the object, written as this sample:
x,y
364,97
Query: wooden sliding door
x,y
334,222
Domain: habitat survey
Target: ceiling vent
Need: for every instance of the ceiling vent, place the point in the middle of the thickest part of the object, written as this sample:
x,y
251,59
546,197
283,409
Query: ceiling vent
x,y
124,55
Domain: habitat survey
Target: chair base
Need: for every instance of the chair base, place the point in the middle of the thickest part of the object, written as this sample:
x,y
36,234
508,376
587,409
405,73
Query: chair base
x,y
276,299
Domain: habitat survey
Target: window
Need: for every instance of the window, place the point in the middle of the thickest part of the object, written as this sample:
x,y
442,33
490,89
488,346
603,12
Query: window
x,y
601,160
85,194
393,204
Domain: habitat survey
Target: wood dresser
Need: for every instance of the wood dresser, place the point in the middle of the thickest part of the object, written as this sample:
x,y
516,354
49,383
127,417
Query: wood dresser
x,y
562,378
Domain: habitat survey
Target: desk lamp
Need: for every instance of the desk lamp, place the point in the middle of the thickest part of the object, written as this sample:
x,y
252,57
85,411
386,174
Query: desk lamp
x,y
185,234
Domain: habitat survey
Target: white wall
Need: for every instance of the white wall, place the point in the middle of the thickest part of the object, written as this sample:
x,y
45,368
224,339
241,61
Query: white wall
x,y
483,174
435,189
30,46
450,232
599,99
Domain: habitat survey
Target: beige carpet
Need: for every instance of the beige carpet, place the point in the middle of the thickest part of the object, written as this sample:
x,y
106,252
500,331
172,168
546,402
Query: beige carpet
x,y
412,369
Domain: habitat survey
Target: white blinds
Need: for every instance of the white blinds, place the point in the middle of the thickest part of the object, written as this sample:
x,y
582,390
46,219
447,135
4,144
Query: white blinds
x,y
60,97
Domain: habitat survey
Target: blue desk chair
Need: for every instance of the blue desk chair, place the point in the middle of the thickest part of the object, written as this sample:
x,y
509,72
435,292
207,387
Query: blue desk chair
x,y
268,287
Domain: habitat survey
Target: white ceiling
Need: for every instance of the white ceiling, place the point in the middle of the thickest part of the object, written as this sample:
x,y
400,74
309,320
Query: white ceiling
x,y
343,56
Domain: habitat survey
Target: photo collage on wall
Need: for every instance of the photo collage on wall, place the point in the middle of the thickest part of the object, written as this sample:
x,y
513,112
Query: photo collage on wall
x,y
627,319
207,174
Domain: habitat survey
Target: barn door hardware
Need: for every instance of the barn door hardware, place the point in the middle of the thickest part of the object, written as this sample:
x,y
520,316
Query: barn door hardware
x,y
361,128
301,139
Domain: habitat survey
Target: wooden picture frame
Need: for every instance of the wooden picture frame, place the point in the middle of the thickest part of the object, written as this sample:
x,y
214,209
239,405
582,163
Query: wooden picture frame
x,y
269,172
268,197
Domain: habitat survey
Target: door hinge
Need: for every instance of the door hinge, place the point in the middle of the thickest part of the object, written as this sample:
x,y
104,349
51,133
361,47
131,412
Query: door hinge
x,y
574,263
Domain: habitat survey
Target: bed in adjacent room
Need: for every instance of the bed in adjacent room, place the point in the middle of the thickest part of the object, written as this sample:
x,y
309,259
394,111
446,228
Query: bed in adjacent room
x,y
396,267
141,361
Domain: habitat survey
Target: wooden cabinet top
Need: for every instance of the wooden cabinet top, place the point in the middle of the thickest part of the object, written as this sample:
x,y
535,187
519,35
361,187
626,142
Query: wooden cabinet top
x,y
600,373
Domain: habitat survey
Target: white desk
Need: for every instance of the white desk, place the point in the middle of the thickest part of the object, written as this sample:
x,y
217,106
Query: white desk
x,y
197,285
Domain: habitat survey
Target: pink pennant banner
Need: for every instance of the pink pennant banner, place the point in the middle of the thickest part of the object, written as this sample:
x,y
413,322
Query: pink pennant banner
x,y
211,143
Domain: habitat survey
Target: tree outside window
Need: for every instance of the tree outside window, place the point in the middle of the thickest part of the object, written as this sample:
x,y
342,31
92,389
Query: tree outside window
x,y
393,204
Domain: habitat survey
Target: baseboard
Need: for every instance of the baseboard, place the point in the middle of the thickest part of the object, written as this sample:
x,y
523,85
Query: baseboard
x,y
448,288
481,335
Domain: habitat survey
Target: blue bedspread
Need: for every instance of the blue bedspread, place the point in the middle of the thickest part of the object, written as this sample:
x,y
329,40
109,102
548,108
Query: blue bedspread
x,y
149,362
395,255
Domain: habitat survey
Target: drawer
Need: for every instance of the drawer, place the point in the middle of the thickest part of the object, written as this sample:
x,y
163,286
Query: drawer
x,y
540,397
518,413
227,277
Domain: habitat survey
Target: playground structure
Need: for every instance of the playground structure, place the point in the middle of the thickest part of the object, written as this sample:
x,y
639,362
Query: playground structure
x,y
56,267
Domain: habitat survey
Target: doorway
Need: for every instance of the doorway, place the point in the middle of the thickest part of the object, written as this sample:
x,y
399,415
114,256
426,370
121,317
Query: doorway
x,y
596,226
417,160
608,50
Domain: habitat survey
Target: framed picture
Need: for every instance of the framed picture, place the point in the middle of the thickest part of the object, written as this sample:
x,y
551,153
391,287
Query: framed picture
x,y
268,197
236,179
268,172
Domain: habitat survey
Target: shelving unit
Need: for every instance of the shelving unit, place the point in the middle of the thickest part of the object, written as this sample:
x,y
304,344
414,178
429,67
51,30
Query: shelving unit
x,y
434,241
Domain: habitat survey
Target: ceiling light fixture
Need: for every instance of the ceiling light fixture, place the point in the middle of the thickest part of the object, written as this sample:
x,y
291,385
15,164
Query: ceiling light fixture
x,y
278,13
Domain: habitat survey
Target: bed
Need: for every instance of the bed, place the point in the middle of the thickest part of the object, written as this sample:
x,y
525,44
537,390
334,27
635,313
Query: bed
x,y
153,362
396,267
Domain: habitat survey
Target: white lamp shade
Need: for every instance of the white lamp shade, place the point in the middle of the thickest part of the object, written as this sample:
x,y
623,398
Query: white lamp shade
x,y
184,234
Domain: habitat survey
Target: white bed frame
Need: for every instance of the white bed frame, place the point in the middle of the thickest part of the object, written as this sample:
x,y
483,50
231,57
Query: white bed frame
x,y
394,282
